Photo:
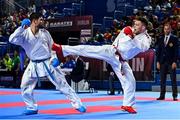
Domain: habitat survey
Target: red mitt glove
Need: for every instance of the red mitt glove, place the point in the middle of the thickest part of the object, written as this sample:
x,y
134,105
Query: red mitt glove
x,y
128,31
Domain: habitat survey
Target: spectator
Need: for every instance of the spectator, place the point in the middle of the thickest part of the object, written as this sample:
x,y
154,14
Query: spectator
x,y
16,69
16,62
69,63
108,37
7,62
99,37
77,73
152,33
2,66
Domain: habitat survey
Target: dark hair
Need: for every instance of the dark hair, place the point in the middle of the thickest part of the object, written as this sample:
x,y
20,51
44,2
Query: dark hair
x,y
143,20
35,16
167,24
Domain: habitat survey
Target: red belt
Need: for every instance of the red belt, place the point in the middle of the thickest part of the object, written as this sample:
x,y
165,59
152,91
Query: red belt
x,y
117,53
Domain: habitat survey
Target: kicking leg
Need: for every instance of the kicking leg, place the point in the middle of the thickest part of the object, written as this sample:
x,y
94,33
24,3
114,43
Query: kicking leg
x,y
104,52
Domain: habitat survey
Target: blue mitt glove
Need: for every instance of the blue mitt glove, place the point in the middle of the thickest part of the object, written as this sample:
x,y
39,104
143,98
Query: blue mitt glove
x,y
25,22
55,62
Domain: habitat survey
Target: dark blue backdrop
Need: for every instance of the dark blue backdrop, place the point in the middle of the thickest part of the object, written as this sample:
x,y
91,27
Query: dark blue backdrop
x,y
101,8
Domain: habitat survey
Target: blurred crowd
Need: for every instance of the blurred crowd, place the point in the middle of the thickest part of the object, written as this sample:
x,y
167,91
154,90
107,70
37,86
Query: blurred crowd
x,y
157,13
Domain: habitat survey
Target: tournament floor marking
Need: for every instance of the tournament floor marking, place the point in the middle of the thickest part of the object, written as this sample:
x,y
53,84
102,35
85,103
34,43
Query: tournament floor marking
x,y
90,109
2,92
54,105
7,92
48,102
65,101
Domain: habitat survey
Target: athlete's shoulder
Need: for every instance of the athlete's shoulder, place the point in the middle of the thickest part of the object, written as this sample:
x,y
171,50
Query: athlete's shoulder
x,y
43,30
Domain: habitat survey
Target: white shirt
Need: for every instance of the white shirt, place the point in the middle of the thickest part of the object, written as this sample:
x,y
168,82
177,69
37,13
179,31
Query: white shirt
x,y
128,48
37,47
166,40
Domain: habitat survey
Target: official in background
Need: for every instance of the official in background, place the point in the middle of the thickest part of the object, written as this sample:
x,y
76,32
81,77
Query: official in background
x,y
167,53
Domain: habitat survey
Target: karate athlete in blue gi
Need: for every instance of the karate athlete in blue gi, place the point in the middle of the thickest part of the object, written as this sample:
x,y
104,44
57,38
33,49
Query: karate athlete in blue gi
x,y
37,43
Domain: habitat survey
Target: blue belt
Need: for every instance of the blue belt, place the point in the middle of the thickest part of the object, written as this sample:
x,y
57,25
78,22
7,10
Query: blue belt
x,y
38,61
49,72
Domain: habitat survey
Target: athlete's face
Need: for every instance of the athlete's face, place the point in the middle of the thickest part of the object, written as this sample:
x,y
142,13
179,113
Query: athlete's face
x,y
39,22
139,27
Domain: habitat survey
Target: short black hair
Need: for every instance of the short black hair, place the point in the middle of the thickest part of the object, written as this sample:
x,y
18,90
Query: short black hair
x,y
167,24
143,20
35,16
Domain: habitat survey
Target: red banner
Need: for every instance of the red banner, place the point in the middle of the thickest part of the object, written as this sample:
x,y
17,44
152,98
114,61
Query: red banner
x,y
142,66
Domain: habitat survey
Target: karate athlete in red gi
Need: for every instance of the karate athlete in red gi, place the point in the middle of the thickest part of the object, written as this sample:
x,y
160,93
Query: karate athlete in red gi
x,y
129,43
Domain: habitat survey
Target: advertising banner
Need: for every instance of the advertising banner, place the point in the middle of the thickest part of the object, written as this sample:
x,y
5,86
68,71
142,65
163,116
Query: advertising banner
x,y
142,67
73,23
